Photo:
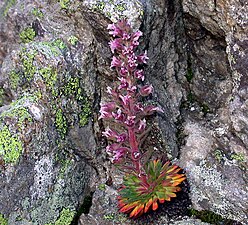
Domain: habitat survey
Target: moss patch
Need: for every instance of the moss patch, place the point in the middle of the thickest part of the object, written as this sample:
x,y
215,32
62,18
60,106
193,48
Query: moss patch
x,y
8,5
61,123
206,216
27,59
65,218
3,221
50,76
10,146
27,35
64,4
37,12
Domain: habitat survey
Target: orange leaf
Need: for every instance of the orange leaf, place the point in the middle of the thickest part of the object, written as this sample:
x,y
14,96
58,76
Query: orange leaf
x,y
148,204
136,211
154,205
161,200
128,207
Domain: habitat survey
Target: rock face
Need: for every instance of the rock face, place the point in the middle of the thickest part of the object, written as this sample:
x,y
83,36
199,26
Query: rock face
x,y
54,69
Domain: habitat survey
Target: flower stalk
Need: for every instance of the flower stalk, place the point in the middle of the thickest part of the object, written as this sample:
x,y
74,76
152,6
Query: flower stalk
x,y
144,184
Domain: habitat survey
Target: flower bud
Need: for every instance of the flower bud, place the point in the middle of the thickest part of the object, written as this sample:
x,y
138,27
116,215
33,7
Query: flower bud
x,y
150,109
146,90
115,62
109,133
139,74
106,110
143,58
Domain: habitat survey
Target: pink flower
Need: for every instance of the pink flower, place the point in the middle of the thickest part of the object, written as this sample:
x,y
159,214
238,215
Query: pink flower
x,y
139,74
112,147
126,36
118,116
119,154
143,58
106,110
138,107
115,31
146,90
115,62
132,89
109,133
142,125
150,109
125,99
124,83
122,137
137,35
115,45
130,121
123,71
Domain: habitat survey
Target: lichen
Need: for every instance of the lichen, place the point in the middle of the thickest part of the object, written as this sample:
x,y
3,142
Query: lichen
x,y
61,123
85,113
102,187
73,40
14,79
238,157
9,4
64,4
27,59
50,76
1,96
206,216
65,218
27,35
3,221
59,43
10,146
37,12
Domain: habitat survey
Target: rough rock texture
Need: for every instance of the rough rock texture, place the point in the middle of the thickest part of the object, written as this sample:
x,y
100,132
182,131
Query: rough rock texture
x,y
215,150
54,69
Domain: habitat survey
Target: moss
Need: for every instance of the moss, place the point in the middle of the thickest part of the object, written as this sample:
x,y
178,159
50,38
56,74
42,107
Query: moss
x,y
61,123
1,96
59,43
85,113
109,216
65,165
3,221
14,79
27,35
37,12
9,4
27,59
218,154
206,216
65,217
99,6
64,4
18,113
102,187
73,40
120,7
189,75
10,146
238,156
50,76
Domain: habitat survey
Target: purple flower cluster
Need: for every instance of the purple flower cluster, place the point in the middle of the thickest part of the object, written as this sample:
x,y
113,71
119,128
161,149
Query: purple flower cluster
x,y
124,107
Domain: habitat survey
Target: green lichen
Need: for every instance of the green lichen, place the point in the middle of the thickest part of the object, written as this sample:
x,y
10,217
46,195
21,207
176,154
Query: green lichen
x,y
73,40
238,157
99,6
120,7
60,44
18,113
102,187
50,76
64,4
65,165
65,218
27,59
61,123
109,216
206,216
3,221
85,113
27,35
14,79
218,154
10,146
37,12
9,4
1,96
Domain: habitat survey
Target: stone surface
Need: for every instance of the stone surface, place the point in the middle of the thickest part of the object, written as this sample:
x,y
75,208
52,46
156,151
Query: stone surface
x,y
54,69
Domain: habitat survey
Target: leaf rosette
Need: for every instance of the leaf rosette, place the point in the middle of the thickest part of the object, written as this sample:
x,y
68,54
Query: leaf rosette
x,y
158,184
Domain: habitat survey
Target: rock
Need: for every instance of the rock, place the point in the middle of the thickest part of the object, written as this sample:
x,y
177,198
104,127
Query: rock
x,y
54,69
